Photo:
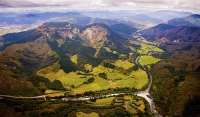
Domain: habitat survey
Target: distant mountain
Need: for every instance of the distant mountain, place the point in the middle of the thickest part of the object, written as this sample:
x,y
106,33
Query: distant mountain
x,y
83,20
122,28
24,53
21,22
172,33
192,20
113,14
168,14
34,18
146,19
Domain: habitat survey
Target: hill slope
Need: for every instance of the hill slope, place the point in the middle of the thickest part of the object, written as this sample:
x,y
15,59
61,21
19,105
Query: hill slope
x,y
126,29
192,20
172,33
176,80
23,54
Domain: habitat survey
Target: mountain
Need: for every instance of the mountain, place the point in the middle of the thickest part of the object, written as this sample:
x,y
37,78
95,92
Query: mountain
x,y
172,33
192,20
34,18
24,53
83,20
146,19
168,14
21,22
126,29
176,80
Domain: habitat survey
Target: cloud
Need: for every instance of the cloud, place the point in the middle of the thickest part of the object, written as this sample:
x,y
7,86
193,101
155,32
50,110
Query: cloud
x,y
191,5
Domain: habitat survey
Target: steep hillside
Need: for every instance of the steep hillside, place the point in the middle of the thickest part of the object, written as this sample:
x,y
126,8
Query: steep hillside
x,y
192,20
170,33
21,60
126,29
176,80
23,54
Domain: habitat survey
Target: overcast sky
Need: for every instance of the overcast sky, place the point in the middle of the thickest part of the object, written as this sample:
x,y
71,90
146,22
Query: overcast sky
x,y
180,5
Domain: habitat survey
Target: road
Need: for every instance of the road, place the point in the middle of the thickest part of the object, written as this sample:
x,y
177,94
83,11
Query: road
x,y
145,94
20,97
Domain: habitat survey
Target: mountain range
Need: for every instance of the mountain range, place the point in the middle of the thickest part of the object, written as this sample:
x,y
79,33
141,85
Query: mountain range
x,y
192,20
165,32
67,42
23,54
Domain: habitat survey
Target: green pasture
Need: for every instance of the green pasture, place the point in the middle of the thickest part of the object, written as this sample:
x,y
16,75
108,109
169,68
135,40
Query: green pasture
x,y
140,105
125,64
104,101
107,49
100,69
115,75
98,84
146,60
72,81
129,82
82,114
140,77
51,91
88,67
74,59
145,48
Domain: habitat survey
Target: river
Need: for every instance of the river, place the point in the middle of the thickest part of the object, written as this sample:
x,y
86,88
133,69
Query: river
x,y
145,94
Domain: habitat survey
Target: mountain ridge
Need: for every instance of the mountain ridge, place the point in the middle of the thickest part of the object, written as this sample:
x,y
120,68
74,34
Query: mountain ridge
x,y
22,57
172,33
192,20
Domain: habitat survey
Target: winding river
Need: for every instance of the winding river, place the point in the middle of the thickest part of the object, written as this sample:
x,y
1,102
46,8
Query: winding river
x,y
145,94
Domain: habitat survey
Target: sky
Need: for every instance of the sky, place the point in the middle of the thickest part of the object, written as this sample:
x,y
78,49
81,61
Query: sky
x,y
179,5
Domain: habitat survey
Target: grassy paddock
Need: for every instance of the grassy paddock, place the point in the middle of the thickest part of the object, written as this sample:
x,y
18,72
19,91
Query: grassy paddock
x,y
98,84
146,60
145,48
105,101
74,59
82,114
88,67
141,78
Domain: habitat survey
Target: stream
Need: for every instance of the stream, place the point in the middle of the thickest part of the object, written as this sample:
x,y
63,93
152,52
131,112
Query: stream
x,y
145,94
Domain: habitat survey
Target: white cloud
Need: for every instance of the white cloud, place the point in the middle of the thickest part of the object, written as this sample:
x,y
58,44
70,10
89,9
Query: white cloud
x,y
185,5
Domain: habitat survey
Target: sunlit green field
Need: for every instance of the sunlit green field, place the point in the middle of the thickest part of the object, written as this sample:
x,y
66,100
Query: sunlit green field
x,y
146,60
98,84
117,77
109,50
145,48
104,101
74,59
123,64
82,114
141,78
88,67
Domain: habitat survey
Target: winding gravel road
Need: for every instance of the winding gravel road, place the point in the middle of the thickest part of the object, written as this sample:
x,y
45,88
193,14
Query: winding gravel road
x,y
145,94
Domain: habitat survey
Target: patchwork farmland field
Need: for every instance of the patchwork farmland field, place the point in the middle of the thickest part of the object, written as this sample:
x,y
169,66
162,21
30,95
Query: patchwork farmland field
x,y
146,60
115,77
145,48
